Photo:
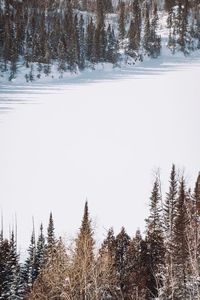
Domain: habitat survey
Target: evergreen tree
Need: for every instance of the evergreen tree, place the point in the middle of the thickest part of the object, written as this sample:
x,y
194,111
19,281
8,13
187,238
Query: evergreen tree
x,y
169,223
81,43
135,272
112,46
122,20
155,39
134,33
40,252
183,10
181,250
70,38
90,40
4,272
51,240
170,204
122,263
11,283
155,243
29,272
147,31
100,34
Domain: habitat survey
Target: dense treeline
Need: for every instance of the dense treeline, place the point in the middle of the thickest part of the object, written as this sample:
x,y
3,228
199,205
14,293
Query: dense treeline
x,y
70,35
163,264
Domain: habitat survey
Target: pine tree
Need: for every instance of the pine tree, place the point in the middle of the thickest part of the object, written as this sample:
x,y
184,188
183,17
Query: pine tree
x,y
170,204
51,240
122,20
122,263
193,240
100,34
183,11
137,268
155,243
169,223
112,46
134,32
40,252
81,43
70,38
11,283
90,39
29,272
155,39
4,272
147,31
181,250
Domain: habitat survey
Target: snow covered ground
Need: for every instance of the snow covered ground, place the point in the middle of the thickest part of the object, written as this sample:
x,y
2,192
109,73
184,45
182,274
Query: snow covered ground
x,y
99,136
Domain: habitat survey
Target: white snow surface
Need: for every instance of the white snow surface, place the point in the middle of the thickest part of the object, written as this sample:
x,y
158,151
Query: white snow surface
x,y
99,135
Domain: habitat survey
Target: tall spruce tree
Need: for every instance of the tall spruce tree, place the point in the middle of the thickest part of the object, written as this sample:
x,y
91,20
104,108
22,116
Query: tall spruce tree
x,y
122,263
10,275
134,32
40,252
82,50
155,243
29,272
181,249
122,20
112,46
100,33
169,223
90,41
51,239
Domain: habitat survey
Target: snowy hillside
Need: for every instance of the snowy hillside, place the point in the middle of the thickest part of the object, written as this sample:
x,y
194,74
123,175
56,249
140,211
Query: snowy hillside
x,y
62,38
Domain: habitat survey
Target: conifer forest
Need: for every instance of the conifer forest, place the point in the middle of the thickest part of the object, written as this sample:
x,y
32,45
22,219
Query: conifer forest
x,y
163,263
111,89
72,35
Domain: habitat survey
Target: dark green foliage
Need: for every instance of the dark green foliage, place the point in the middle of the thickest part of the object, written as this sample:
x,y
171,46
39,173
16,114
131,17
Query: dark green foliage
x,y
122,20
11,287
151,42
29,271
60,33
122,262
51,240
170,204
155,243
90,38
181,246
100,33
112,46
40,252
134,32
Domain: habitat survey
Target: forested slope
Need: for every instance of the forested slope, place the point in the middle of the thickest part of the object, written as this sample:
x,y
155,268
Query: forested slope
x,y
161,264
47,37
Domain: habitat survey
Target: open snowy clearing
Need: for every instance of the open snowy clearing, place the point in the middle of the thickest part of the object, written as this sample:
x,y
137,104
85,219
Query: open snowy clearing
x,y
99,136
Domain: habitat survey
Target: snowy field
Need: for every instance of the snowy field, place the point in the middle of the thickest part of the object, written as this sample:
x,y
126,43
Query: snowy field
x,y
99,136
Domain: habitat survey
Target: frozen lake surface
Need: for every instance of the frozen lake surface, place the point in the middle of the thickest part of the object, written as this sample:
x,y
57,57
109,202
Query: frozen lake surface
x,y
99,136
